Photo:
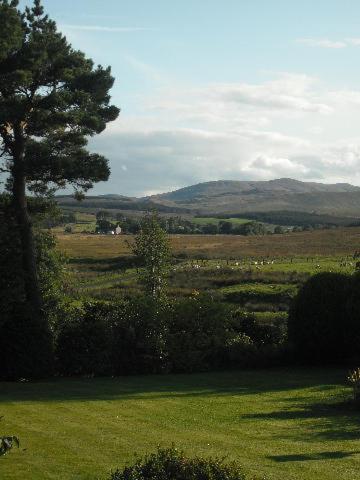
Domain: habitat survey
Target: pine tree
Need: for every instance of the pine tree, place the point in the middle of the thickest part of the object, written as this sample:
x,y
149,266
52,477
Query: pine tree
x,y
52,99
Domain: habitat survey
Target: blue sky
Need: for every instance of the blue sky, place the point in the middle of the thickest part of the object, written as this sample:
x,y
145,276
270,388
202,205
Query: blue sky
x,y
231,89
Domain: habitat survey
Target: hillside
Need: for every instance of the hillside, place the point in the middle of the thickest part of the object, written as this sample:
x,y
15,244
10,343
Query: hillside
x,y
226,196
236,197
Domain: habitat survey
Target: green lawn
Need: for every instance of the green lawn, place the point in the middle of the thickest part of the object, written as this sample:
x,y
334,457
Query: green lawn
x,y
277,422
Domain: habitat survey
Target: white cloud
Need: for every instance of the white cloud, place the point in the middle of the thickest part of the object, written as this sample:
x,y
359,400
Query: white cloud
x,y
290,126
326,43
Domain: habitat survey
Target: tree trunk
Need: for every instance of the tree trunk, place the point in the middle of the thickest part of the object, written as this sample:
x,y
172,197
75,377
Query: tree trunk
x,y
31,281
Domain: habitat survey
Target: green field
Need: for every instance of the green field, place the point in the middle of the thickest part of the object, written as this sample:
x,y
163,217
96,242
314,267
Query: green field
x,y
281,423
100,265
216,221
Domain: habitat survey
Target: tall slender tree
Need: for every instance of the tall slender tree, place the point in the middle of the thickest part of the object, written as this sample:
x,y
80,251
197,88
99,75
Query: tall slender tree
x,y
52,98
152,247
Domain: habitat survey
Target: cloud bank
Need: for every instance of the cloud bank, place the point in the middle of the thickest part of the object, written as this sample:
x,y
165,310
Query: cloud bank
x,y
288,126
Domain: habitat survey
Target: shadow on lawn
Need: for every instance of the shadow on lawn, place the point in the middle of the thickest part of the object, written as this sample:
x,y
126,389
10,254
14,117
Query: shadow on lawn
x,y
337,455
143,387
331,421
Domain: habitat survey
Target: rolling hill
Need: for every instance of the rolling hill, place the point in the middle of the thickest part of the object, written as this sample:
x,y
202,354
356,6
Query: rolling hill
x,y
237,197
227,196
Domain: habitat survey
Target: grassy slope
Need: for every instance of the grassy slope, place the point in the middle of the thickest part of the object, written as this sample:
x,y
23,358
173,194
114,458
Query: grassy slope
x,y
275,422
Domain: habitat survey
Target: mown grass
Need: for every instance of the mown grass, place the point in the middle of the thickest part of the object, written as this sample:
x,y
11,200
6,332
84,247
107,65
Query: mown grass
x,y
281,423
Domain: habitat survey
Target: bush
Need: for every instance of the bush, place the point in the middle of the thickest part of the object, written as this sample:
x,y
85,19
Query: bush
x,y
199,329
319,324
139,337
242,352
143,335
172,464
270,329
83,343
352,330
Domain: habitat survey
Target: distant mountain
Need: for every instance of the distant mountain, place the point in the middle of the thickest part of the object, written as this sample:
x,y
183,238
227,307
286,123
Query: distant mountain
x,y
228,196
237,197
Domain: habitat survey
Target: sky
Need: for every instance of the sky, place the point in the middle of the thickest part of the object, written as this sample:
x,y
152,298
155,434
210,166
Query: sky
x,y
230,89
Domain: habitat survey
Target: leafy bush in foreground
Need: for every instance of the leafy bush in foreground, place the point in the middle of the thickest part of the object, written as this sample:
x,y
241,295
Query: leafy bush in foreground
x,y
172,464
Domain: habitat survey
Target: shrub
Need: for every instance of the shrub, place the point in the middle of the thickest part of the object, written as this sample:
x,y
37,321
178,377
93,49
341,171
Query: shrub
x,y
242,352
261,332
83,343
354,380
318,319
139,337
172,464
199,330
352,330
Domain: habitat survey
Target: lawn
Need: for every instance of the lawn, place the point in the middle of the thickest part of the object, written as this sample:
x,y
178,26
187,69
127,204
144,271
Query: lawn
x,y
280,423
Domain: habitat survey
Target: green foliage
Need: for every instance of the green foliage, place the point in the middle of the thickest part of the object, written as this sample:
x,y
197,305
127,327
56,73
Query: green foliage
x,y
152,247
261,333
25,339
250,228
199,329
119,338
83,341
104,226
139,336
319,324
172,464
354,380
51,99
142,335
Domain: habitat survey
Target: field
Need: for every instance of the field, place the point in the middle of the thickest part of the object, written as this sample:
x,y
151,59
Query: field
x,y
101,266
335,242
215,221
281,423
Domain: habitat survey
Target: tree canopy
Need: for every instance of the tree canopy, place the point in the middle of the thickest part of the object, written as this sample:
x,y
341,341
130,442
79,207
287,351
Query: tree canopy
x,y
52,98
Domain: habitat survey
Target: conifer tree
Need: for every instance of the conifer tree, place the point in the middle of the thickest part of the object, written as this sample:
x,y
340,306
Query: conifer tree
x,y
52,98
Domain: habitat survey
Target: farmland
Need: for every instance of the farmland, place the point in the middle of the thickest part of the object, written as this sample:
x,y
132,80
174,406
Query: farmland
x,y
335,242
216,220
101,266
